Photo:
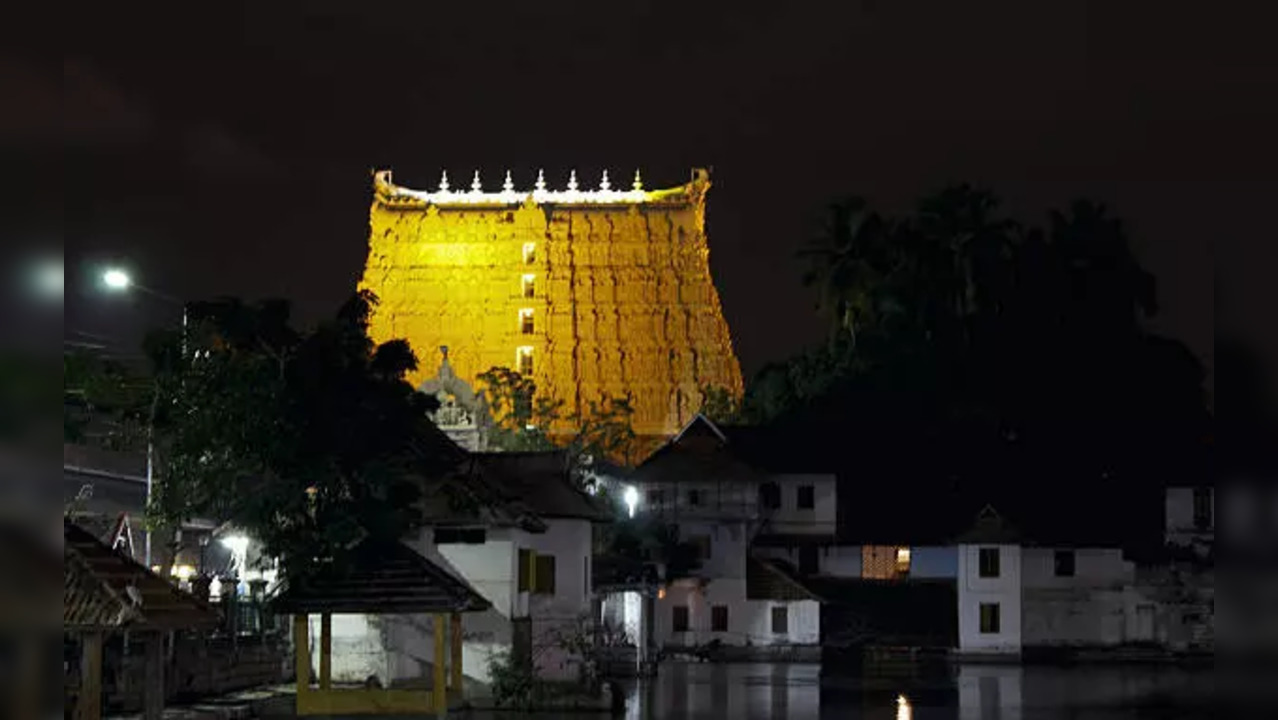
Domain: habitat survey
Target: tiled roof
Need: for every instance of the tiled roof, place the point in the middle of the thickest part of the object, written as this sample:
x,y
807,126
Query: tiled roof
x,y
380,578
539,480
768,580
103,588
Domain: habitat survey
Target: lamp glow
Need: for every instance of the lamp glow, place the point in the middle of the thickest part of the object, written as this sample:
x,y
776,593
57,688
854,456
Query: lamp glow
x,y
631,498
117,279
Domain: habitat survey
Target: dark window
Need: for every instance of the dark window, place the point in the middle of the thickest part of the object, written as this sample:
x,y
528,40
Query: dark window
x,y
1202,508
521,642
1064,563
780,620
719,618
770,495
545,575
530,287
694,497
809,561
526,323
807,497
679,618
525,570
989,562
460,536
989,618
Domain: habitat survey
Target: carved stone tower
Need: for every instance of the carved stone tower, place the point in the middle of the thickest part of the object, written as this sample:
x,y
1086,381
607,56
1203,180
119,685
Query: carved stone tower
x,y
592,293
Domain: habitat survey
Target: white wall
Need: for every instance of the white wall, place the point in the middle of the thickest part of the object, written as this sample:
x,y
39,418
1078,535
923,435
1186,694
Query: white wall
x,y
357,648
749,621
1005,590
569,541
728,547
821,519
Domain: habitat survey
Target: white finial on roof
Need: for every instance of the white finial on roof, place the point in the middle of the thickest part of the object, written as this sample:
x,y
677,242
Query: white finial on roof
x,y
541,181
572,181
604,185
475,186
508,185
443,182
638,183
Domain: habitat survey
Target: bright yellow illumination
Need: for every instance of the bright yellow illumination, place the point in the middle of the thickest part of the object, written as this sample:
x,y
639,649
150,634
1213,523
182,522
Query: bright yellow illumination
x,y
661,593
903,709
475,195
530,253
526,321
903,560
529,286
182,572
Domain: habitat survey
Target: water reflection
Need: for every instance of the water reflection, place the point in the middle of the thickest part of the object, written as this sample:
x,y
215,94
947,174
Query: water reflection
x,y
977,692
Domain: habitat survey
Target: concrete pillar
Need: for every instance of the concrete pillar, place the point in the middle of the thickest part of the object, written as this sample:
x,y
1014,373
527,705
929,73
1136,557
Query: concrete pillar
x,y
326,652
153,689
439,690
455,665
89,703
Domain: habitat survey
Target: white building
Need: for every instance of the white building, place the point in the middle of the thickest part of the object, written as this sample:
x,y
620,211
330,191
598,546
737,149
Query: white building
x,y
516,530
721,504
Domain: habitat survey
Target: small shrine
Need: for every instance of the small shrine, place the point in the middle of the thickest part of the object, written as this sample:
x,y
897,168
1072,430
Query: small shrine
x,y
463,414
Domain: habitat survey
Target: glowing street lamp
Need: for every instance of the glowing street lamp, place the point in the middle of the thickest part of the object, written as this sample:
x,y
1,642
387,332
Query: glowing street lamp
x,y
631,497
116,279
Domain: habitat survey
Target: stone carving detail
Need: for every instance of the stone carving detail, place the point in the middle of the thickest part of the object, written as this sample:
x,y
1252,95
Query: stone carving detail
x,y
621,282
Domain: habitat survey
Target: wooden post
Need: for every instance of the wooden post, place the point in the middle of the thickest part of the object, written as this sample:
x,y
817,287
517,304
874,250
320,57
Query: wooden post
x,y
302,653
89,704
455,682
439,690
326,652
153,689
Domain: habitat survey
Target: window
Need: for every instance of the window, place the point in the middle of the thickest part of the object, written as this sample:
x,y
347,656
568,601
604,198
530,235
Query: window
x,y
780,620
530,253
529,286
807,497
526,321
525,570
544,575
903,561
719,618
524,361
1064,563
1202,508
679,618
460,536
989,562
694,497
809,561
770,495
989,618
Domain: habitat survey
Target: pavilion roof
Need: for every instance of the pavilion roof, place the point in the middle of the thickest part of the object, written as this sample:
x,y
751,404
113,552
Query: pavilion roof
x,y
104,589
381,578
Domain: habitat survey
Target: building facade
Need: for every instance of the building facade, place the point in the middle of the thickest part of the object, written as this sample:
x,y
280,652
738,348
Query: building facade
x,y
593,294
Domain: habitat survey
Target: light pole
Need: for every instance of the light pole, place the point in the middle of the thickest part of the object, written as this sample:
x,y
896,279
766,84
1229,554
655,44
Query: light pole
x,y
117,280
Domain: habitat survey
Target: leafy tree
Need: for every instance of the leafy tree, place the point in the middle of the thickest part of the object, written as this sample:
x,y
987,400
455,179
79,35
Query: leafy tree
x,y
307,440
720,405
105,402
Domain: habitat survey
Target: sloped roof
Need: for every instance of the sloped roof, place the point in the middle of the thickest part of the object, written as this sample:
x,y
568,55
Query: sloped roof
x,y
103,588
766,579
700,453
539,480
381,578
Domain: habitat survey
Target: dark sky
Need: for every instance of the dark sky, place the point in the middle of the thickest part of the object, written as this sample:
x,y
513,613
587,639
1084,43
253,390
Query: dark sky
x,y
227,152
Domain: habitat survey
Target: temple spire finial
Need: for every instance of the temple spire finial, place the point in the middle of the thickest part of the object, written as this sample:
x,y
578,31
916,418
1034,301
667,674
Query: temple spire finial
x,y
638,183
443,182
508,185
476,186
572,181
541,181
604,185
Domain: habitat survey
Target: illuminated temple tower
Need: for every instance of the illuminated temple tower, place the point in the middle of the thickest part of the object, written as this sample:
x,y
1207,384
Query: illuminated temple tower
x,y
593,293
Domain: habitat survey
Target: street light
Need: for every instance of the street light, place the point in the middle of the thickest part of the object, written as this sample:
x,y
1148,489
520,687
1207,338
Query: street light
x,y
119,280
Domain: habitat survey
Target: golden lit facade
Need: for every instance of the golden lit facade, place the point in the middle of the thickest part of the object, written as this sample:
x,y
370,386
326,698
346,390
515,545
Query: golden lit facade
x,y
592,293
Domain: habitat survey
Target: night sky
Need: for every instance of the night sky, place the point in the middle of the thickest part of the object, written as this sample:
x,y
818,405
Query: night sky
x,y
229,152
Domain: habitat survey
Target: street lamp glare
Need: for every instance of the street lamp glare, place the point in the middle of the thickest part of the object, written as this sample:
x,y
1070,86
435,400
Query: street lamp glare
x,y
117,279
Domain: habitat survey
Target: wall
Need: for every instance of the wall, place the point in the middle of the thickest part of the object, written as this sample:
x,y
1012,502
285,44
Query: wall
x,y
749,621
200,666
728,545
934,563
1179,517
565,611
624,302
1093,568
974,590
821,519
730,500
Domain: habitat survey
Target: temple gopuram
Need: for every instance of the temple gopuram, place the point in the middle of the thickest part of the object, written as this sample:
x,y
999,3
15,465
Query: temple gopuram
x,y
591,293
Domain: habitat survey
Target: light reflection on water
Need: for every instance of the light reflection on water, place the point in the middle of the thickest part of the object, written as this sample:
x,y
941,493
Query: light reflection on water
x,y
980,692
